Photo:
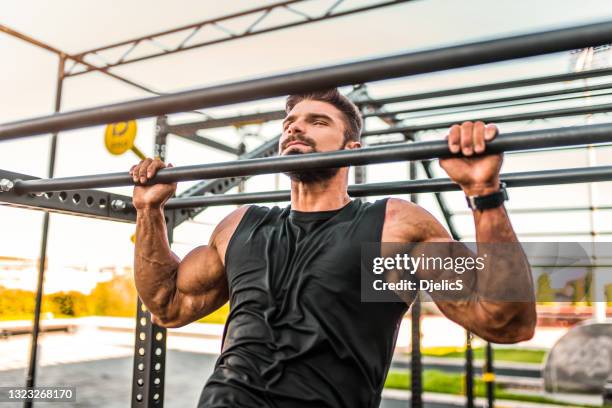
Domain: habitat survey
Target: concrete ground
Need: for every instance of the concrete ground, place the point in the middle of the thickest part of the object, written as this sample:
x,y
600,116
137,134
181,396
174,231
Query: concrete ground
x,y
97,360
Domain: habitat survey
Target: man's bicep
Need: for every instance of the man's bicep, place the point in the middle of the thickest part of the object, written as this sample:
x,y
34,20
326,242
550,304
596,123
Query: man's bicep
x,y
200,271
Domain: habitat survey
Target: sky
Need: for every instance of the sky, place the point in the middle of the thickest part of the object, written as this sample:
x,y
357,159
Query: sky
x,y
27,78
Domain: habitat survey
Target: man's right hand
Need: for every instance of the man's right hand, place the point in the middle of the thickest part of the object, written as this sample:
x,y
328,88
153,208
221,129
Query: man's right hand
x,y
154,195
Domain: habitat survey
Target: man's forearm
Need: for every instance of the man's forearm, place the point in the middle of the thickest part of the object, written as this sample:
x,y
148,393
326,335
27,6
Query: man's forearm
x,y
155,266
506,289
493,225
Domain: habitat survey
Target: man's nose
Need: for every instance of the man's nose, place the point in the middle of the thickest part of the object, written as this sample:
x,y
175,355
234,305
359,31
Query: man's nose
x,y
295,127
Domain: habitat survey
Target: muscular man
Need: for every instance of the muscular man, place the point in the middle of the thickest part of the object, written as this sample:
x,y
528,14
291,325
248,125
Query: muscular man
x,y
298,334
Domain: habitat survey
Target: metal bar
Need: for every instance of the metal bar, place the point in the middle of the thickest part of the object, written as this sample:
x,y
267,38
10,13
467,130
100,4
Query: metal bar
x,y
520,179
358,72
546,210
555,113
537,234
490,376
188,27
381,154
74,58
416,358
238,120
149,366
446,213
230,36
268,116
161,135
416,363
496,86
42,259
205,141
280,114
517,100
86,203
469,371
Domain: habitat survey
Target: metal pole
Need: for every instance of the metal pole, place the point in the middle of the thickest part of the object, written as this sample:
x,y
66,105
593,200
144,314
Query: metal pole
x,y
496,86
416,363
42,263
489,375
280,114
149,365
519,179
420,62
554,113
514,100
469,371
536,139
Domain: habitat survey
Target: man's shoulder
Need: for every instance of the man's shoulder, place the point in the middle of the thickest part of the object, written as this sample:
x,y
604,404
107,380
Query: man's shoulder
x,y
406,221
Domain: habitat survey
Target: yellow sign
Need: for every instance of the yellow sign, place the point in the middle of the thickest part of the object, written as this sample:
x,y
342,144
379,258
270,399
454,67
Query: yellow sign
x,y
119,138
488,377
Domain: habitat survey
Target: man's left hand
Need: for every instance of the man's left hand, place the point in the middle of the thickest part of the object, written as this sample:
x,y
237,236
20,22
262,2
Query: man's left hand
x,y
476,173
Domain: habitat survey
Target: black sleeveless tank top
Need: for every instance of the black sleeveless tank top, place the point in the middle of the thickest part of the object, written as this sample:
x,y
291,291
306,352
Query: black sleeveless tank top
x,y
298,334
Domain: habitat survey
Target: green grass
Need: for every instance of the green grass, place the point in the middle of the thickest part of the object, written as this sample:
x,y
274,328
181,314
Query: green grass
x,y
452,383
499,354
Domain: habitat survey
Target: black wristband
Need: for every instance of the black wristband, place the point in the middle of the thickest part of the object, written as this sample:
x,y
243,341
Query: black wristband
x,y
488,201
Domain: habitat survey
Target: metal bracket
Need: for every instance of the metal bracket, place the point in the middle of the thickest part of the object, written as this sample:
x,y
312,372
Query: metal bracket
x,y
87,203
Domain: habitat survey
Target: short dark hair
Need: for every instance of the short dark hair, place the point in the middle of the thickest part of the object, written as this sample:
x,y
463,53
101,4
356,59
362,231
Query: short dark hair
x,y
352,117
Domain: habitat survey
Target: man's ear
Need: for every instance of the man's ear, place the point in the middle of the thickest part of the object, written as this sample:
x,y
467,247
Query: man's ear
x,y
353,145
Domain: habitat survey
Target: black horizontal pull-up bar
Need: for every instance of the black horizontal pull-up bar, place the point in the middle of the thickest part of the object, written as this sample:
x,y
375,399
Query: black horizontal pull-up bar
x,y
267,116
521,179
535,139
513,117
346,74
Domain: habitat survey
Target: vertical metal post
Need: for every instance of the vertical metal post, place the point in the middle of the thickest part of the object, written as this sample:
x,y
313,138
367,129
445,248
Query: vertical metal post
x,y
446,213
149,368
42,263
360,174
149,361
241,152
489,376
416,363
161,135
469,371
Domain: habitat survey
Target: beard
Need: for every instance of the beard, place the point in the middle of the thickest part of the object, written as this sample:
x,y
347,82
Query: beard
x,y
310,176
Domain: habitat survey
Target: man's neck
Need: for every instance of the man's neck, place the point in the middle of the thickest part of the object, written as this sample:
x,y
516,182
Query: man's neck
x,y
325,196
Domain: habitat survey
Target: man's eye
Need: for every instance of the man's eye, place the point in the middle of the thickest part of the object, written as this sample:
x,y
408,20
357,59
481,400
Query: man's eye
x,y
319,122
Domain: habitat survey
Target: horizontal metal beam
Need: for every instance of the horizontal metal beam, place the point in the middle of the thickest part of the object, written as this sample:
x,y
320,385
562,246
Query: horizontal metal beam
x,y
522,179
248,27
419,62
528,98
543,234
536,139
87,203
538,210
205,141
496,86
494,103
554,113
238,120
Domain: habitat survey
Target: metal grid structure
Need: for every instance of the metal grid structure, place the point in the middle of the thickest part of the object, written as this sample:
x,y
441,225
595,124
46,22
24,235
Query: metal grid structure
x,y
150,341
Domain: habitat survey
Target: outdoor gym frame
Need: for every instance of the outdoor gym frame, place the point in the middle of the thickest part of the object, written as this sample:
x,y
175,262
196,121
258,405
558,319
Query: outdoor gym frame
x,y
25,191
